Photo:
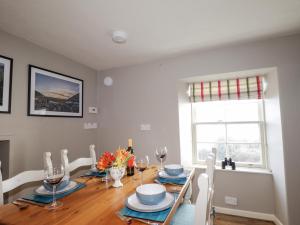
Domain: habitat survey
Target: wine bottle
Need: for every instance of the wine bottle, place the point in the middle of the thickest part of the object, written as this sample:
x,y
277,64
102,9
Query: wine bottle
x,y
130,169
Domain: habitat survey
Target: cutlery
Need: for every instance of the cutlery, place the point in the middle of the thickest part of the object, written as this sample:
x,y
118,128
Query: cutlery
x,y
129,220
20,205
31,202
144,221
87,180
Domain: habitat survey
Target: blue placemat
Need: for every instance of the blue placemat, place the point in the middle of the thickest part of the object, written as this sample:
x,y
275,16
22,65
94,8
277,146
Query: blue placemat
x,y
48,198
179,181
160,216
94,174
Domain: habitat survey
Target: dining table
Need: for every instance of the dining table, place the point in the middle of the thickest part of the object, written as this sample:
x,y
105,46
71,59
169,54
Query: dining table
x,y
97,203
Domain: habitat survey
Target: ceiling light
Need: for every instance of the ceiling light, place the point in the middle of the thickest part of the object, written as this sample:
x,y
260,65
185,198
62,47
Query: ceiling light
x,y
119,36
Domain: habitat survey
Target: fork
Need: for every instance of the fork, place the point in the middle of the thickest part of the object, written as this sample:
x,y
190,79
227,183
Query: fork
x,y
129,220
20,205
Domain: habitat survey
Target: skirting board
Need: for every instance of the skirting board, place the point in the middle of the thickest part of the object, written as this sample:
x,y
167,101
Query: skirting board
x,y
249,214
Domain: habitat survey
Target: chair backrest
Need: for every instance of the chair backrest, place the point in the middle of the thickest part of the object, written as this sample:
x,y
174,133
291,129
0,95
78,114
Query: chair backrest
x,y
69,167
210,170
213,153
48,162
93,156
18,180
202,202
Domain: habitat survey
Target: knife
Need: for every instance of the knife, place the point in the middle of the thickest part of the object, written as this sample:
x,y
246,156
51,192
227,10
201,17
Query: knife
x,y
31,202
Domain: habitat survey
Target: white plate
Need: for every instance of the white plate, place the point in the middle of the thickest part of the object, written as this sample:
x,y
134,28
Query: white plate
x,y
43,191
163,174
134,204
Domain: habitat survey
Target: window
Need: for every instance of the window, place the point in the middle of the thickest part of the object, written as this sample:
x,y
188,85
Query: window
x,y
235,127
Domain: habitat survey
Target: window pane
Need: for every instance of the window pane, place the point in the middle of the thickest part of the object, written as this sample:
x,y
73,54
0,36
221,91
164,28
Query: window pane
x,y
242,110
246,153
204,148
243,133
208,111
211,133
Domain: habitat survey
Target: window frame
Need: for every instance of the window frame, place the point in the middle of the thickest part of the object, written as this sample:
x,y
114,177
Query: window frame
x,y
263,141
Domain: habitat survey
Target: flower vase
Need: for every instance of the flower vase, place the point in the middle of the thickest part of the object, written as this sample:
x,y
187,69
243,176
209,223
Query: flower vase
x,y
117,173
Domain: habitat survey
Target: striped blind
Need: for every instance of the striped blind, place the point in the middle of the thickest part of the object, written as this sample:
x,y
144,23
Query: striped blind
x,y
240,88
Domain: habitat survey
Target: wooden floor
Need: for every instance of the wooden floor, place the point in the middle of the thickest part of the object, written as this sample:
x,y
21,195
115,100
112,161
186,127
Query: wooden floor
x,y
222,219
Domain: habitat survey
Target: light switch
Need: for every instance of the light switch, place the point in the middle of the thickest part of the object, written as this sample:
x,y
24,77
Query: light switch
x,y
88,126
145,127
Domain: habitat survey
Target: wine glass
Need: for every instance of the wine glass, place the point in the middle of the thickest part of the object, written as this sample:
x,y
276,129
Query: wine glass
x,y
106,179
161,155
141,164
53,177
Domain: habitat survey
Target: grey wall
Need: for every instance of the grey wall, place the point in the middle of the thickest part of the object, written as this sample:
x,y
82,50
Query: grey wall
x,y
275,145
31,136
254,191
148,94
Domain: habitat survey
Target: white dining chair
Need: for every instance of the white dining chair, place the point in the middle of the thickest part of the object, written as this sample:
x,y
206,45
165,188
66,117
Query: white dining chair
x,y
18,180
213,153
69,167
188,214
48,162
210,171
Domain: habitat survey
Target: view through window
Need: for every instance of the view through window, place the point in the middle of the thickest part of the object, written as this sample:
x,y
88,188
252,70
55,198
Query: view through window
x,y
234,127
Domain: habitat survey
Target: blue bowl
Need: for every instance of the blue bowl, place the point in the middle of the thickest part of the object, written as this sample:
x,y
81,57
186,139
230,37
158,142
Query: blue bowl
x,y
64,183
151,194
173,169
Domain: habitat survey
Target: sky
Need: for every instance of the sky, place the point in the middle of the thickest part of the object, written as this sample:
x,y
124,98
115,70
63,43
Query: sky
x,y
54,87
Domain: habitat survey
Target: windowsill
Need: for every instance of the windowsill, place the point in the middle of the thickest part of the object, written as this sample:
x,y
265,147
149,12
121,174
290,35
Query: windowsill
x,y
238,169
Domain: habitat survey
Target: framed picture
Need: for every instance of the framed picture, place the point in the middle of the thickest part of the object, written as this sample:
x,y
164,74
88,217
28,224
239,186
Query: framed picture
x,y
6,67
54,94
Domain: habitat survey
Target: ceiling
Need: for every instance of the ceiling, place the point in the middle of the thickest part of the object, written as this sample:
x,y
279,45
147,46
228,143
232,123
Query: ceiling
x,y
81,29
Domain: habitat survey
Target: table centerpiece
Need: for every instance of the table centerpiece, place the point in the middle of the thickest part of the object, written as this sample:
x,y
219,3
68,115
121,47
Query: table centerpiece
x,y
116,164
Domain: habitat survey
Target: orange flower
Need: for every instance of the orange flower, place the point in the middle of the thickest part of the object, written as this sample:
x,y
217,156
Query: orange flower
x,y
119,159
105,161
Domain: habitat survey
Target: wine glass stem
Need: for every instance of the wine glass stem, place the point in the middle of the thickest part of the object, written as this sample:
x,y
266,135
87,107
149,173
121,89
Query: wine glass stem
x,y
141,178
54,192
161,164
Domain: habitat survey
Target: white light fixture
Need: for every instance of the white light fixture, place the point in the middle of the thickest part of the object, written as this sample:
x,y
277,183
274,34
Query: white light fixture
x,y
119,36
108,81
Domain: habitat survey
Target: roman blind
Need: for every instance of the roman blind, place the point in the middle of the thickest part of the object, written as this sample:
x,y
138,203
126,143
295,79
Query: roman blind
x,y
231,89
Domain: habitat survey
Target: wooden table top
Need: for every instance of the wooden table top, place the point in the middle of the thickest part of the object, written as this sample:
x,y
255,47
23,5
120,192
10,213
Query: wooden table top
x,y
97,203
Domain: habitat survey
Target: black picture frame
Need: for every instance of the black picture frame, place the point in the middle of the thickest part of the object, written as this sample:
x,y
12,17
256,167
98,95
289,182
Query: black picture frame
x,y
5,83
53,94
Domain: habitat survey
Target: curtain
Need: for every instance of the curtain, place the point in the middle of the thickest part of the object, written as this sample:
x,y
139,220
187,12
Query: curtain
x,y
232,89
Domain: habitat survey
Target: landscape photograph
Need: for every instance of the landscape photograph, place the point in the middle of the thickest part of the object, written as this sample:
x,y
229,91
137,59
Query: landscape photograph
x,y
56,95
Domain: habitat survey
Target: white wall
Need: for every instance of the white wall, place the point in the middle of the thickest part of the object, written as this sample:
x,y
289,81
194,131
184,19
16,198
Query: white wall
x,y
148,94
275,145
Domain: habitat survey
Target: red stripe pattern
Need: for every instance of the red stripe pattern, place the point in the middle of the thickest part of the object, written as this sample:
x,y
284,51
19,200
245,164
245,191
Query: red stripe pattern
x,y
233,89
202,92
238,90
219,89
258,87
